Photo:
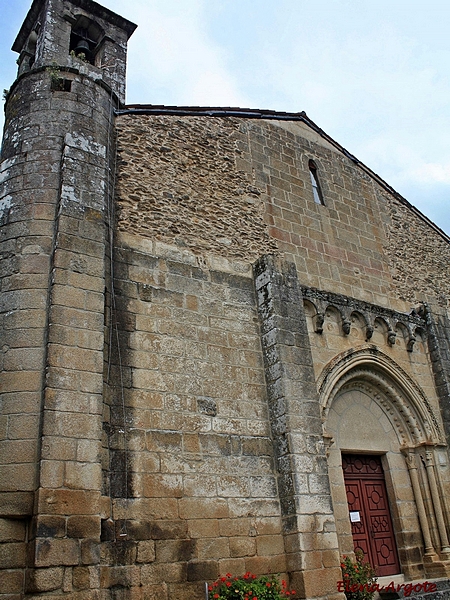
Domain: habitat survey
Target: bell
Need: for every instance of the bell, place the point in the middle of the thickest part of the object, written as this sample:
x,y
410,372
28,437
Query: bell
x,y
83,48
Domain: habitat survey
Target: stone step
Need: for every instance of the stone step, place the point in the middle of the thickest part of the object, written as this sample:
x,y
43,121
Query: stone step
x,y
436,589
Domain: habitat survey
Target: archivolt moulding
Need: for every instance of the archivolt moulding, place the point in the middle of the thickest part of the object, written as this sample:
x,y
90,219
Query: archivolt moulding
x,y
399,396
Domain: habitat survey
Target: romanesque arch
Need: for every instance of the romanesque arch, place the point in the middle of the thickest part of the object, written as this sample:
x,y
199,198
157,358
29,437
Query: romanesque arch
x,y
394,390
371,406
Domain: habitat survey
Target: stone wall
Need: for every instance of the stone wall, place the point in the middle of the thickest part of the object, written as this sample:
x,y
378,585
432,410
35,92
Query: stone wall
x,y
199,200
299,450
54,207
419,258
241,188
188,453
178,182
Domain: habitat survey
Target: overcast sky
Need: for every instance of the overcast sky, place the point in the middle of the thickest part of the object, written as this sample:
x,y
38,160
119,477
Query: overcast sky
x,y
374,74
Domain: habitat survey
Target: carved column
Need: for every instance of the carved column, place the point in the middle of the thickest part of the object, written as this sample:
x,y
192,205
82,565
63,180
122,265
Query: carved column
x,y
411,463
429,463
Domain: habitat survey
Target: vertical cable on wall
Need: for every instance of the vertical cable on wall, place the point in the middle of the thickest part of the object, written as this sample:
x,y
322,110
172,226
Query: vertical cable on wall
x,y
113,325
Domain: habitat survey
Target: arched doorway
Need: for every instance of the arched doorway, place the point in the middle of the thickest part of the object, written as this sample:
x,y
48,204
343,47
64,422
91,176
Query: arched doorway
x,y
372,408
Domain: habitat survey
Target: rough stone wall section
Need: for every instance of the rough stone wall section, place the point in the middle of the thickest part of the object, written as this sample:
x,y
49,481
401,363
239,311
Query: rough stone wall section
x,y
419,258
178,182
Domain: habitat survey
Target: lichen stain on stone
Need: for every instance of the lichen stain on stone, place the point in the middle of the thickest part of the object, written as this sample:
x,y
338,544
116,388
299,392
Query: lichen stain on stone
x,y
5,168
68,195
178,183
5,206
87,144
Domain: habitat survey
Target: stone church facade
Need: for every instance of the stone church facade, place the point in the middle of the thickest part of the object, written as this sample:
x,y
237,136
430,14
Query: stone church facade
x,y
225,341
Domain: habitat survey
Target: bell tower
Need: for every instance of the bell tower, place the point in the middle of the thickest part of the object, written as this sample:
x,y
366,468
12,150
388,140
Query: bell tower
x,y
56,32
56,182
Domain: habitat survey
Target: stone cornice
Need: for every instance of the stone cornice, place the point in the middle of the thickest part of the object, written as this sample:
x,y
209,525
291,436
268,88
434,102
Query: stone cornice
x,y
346,306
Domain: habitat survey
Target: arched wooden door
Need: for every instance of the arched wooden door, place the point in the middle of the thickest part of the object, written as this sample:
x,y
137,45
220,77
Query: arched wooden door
x,y
369,512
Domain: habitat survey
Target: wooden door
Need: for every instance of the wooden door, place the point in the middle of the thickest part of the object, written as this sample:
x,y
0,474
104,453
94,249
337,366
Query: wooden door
x,y
369,512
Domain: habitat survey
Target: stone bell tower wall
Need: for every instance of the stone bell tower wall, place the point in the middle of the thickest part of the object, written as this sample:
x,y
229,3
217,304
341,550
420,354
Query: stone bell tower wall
x,y
54,209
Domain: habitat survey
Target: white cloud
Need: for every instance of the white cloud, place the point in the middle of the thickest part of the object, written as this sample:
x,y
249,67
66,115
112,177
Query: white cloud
x,y
434,172
173,60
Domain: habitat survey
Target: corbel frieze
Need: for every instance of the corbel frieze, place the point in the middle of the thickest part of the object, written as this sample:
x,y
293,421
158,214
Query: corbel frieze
x,y
409,324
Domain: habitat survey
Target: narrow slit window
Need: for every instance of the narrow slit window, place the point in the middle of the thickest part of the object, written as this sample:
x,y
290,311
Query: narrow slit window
x,y
317,192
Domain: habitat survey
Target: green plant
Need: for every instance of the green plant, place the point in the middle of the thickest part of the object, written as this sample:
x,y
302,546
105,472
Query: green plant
x,y
249,587
359,580
81,56
56,81
5,95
